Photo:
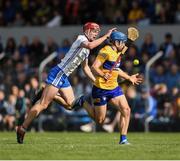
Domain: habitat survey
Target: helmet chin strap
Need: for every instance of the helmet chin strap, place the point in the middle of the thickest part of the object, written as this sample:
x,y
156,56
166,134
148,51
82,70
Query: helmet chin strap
x,y
86,33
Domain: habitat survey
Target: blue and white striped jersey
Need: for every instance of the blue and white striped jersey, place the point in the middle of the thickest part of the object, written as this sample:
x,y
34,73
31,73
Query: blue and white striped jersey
x,y
75,56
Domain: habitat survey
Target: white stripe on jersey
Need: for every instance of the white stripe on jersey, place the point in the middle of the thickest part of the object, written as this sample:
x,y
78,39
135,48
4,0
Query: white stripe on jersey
x,y
75,56
58,78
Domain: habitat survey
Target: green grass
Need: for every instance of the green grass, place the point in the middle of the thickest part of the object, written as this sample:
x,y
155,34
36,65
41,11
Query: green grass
x,y
92,146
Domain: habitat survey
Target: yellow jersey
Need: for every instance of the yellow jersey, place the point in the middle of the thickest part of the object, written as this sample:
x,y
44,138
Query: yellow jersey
x,y
108,57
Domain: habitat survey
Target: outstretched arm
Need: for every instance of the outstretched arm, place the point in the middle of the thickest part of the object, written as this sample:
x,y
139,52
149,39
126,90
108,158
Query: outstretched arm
x,y
97,42
134,79
87,70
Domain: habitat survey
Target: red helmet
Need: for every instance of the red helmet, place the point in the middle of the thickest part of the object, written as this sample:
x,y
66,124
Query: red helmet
x,y
91,26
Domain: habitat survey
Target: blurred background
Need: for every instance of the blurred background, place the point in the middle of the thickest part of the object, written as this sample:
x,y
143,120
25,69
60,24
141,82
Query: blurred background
x,y
31,30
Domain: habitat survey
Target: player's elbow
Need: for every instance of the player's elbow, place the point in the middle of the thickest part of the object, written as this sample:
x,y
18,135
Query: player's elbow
x,y
93,68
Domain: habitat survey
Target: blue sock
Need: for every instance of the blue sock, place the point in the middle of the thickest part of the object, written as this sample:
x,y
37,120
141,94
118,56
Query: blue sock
x,y
123,137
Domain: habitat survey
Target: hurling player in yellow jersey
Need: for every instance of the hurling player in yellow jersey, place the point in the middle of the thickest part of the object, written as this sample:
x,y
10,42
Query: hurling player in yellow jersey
x,y
106,88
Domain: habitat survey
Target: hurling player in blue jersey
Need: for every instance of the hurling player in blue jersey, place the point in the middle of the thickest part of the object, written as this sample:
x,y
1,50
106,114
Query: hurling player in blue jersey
x,y
57,80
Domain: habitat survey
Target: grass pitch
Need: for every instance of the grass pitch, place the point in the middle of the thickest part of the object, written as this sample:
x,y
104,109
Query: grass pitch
x,y
92,146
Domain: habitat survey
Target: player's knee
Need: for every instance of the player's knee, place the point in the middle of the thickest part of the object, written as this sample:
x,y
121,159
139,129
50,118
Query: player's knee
x,y
69,103
44,104
126,111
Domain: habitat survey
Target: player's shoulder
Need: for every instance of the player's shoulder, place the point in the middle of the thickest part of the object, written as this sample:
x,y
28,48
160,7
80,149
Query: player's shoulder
x,y
104,52
82,38
105,49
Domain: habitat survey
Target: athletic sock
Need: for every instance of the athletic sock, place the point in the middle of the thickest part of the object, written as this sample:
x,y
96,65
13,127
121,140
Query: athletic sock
x,y
123,137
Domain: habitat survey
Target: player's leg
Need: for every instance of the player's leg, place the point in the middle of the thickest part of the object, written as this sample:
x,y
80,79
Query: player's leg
x,y
90,109
86,102
58,98
122,105
54,80
65,97
100,104
110,127
48,94
100,113
90,101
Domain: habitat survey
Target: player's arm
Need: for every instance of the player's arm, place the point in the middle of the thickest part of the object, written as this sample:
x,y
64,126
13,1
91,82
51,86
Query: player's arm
x,y
134,79
97,42
87,70
96,67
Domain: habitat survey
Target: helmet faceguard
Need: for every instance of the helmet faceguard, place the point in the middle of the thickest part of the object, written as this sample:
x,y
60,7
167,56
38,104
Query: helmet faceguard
x,y
118,39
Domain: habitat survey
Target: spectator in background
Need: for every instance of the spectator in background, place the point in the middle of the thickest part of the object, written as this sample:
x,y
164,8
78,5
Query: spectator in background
x,y
14,90
177,14
128,65
149,7
33,86
71,11
51,46
64,48
2,22
10,47
158,75
132,52
56,20
39,13
43,12
36,51
18,21
9,118
148,45
146,108
21,107
176,102
164,13
24,46
110,7
169,11
9,12
173,77
168,45
164,105
101,19
20,74
144,59
3,105
136,13
119,18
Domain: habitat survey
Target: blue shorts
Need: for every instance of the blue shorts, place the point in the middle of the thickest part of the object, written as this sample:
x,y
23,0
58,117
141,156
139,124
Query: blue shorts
x,y
102,96
57,78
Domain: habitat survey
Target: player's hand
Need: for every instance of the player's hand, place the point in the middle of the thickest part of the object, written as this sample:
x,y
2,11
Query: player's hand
x,y
135,79
107,76
110,31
